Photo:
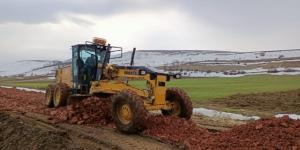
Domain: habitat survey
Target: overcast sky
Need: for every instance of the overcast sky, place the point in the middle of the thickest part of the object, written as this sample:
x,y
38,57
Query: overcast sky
x,y
45,29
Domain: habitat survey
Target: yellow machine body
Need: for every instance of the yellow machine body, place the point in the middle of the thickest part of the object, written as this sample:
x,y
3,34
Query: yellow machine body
x,y
110,78
117,81
64,75
154,95
91,74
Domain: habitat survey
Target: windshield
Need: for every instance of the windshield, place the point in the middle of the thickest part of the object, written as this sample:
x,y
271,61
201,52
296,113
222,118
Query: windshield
x,y
91,56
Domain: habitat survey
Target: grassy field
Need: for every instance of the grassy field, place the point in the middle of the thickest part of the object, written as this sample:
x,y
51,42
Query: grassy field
x,y
35,84
202,89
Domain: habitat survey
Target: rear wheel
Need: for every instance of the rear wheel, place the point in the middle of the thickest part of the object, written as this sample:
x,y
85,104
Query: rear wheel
x,y
180,103
61,93
49,95
128,112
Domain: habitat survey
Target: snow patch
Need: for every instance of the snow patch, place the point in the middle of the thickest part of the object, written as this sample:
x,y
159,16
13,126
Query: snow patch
x,y
234,116
291,116
25,89
218,114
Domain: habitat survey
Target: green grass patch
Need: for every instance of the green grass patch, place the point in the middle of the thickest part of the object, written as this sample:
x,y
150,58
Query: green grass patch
x,y
202,89
27,84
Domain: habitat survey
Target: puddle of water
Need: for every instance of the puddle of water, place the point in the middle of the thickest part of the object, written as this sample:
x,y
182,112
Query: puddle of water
x,y
218,114
292,116
25,89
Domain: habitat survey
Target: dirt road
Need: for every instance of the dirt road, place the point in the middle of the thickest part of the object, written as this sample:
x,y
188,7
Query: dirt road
x,y
34,131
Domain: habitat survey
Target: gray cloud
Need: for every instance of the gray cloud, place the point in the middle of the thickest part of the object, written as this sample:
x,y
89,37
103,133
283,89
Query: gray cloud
x,y
227,13
252,15
54,25
37,11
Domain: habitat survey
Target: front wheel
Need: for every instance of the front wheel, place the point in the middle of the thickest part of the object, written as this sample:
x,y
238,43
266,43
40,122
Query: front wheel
x,y
179,102
128,112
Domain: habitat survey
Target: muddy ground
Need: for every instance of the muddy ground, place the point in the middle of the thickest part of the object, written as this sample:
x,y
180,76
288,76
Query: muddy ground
x,y
34,131
262,104
87,125
18,133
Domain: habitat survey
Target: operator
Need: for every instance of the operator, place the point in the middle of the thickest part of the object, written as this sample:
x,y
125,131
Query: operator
x,y
80,64
90,67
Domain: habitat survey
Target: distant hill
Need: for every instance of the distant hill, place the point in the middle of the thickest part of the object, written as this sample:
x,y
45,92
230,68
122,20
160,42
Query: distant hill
x,y
155,58
188,62
29,67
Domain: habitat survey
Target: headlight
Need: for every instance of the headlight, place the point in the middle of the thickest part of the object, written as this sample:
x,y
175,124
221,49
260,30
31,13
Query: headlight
x,y
143,72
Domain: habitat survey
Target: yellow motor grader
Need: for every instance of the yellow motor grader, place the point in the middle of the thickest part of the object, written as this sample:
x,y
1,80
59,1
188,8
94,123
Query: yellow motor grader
x,y
91,74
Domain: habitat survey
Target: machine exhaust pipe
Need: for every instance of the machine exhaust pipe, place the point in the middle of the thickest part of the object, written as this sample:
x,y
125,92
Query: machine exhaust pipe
x,y
132,57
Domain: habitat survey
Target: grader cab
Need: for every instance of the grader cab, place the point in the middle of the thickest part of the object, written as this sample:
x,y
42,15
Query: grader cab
x,y
91,74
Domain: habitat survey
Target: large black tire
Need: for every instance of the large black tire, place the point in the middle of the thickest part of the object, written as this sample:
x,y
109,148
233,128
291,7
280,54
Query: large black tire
x,y
49,95
182,105
61,94
127,102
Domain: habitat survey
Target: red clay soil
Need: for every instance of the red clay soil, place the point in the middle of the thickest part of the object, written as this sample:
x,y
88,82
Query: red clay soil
x,y
22,101
274,133
90,111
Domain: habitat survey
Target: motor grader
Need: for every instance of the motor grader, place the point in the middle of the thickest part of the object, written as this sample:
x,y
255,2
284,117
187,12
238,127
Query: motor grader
x,y
91,74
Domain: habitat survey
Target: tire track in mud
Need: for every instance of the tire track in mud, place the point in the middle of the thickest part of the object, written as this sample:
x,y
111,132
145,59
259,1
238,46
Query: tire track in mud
x,y
19,133
71,136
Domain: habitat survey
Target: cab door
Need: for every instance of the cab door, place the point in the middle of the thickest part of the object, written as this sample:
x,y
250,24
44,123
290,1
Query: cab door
x,y
75,68
84,65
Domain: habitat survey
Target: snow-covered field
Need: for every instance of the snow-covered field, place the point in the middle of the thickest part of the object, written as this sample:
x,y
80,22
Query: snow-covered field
x,y
28,67
276,71
158,58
